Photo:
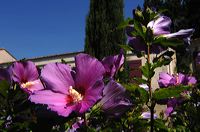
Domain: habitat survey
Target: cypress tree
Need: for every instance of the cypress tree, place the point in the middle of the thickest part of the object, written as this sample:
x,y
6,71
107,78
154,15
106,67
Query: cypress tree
x,y
102,38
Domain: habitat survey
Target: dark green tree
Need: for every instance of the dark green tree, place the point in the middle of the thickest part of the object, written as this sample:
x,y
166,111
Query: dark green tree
x,y
102,37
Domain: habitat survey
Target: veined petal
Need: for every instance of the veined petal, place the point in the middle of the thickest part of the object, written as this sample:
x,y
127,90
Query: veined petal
x,y
161,25
37,85
144,86
108,63
91,96
24,72
57,77
49,98
114,101
192,80
63,110
163,21
184,33
147,115
112,64
168,111
181,79
116,106
166,80
119,61
112,88
77,125
88,71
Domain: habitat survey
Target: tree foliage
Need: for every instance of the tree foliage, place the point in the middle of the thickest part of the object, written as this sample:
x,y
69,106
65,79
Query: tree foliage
x,y
102,37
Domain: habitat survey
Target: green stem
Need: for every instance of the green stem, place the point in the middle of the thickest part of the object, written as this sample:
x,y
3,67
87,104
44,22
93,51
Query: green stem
x,y
152,105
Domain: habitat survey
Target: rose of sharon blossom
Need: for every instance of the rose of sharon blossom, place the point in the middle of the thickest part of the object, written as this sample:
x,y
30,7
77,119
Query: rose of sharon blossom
x,y
160,27
26,75
147,115
172,104
166,80
112,64
114,101
71,91
77,125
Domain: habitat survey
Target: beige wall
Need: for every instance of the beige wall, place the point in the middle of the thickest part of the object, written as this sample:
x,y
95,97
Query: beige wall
x,y
169,68
5,56
68,57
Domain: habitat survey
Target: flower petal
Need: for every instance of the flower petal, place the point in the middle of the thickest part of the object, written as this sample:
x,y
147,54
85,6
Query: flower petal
x,y
57,77
88,71
92,95
49,98
36,86
168,111
181,79
112,64
184,33
192,80
63,110
144,86
166,80
147,115
108,63
114,101
24,72
161,25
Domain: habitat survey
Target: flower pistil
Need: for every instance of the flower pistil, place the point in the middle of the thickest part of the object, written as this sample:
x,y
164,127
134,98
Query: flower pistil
x,y
75,95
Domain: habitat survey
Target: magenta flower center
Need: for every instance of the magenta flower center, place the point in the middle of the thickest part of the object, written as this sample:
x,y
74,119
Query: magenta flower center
x,y
28,84
177,80
75,95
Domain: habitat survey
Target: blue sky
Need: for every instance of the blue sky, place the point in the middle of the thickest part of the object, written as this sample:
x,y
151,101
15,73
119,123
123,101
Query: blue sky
x,y
32,28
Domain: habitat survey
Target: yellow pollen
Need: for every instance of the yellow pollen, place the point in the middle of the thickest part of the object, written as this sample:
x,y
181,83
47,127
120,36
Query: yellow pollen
x,y
75,95
28,84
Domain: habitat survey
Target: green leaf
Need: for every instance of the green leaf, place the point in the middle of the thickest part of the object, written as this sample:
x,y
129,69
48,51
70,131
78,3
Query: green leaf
x,y
167,42
143,94
126,47
1,122
137,91
169,92
138,28
124,24
160,125
138,13
147,71
140,80
150,15
130,87
4,86
163,59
